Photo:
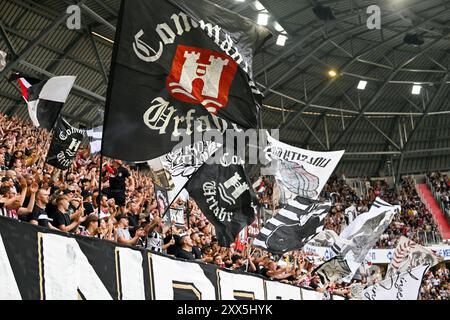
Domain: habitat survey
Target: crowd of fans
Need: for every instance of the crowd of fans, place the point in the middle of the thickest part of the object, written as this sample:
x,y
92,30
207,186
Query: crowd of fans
x,y
34,192
414,221
441,185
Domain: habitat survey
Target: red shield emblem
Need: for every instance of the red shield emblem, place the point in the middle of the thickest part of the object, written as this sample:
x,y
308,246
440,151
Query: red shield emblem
x,y
201,76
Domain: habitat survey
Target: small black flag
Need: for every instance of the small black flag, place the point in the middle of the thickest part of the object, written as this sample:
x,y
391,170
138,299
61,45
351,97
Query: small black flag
x,y
65,144
224,194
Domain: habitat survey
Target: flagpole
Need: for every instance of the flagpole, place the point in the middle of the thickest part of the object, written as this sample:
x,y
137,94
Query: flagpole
x,y
100,191
176,196
188,215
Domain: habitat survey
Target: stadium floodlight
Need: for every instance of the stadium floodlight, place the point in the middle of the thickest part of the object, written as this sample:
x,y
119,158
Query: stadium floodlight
x,y
332,73
362,84
240,0
259,6
263,19
281,40
416,89
278,27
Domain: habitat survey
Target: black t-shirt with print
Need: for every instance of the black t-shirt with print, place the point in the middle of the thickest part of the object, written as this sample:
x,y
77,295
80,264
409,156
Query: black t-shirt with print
x,y
40,215
117,180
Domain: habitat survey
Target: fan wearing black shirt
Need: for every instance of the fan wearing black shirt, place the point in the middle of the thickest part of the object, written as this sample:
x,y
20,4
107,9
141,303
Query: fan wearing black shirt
x,y
62,219
117,183
185,251
240,264
196,249
39,215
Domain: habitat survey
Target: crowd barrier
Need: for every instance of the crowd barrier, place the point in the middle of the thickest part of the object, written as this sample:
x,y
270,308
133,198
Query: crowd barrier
x,y
41,264
377,256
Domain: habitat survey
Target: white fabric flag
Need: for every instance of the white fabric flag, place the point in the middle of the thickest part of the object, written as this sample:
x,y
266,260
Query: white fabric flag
x,y
301,172
355,242
2,60
95,139
182,163
408,255
351,213
403,286
363,233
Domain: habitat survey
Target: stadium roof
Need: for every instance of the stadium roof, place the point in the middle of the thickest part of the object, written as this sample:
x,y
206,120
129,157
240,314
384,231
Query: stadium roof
x,y
385,129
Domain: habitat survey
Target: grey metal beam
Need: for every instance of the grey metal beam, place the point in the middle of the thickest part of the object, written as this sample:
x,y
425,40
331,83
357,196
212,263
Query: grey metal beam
x,y
97,17
419,123
316,124
383,134
377,95
285,76
30,46
102,4
313,134
67,51
384,157
7,40
97,56
299,101
314,31
345,67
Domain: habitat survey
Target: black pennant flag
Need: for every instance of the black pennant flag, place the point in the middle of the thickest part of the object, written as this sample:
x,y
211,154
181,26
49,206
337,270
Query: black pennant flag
x,y
176,62
65,144
224,194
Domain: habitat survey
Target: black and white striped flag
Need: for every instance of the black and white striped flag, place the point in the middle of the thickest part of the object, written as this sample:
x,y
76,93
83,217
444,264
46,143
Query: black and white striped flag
x,y
293,226
45,99
95,139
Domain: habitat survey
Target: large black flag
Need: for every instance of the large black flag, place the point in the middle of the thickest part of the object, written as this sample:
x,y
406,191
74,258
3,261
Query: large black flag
x,y
224,194
65,144
175,62
45,99
296,224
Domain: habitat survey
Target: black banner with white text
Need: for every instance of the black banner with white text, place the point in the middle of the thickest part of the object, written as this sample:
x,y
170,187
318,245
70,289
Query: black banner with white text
x,y
36,263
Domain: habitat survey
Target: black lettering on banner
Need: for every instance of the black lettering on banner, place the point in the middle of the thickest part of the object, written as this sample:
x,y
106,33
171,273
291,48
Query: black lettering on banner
x,y
151,276
243,295
185,291
49,277
80,295
41,267
118,274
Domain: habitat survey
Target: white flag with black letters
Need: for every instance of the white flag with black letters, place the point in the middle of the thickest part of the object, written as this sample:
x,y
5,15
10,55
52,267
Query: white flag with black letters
x,y
404,286
301,172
